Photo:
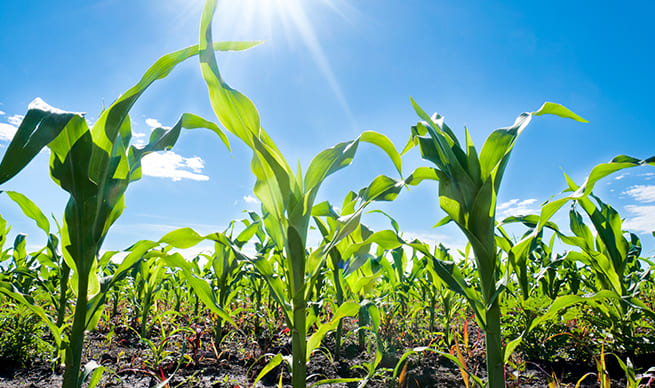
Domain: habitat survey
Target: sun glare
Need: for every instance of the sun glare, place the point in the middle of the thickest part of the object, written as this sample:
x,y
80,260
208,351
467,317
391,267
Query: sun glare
x,y
287,21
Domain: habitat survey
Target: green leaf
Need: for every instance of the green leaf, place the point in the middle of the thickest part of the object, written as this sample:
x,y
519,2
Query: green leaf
x,y
234,110
382,188
385,239
421,174
191,121
328,162
499,144
602,170
324,209
42,124
182,238
274,362
385,144
341,380
30,210
348,309
558,110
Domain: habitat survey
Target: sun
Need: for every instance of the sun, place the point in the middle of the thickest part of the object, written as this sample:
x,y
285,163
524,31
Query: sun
x,y
282,22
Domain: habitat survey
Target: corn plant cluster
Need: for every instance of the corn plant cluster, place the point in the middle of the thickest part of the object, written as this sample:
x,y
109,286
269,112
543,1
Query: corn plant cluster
x,y
376,290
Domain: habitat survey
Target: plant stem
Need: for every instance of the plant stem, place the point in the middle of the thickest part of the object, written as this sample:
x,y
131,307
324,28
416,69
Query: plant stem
x,y
337,284
145,310
63,292
363,321
299,342
218,331
495,363
74,351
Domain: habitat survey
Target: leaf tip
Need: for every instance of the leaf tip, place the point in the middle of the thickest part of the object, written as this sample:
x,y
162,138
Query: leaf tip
x,y
558,110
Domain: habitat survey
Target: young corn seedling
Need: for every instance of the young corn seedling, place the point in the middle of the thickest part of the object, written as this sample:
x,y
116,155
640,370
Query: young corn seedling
x,y
468,188
450,302
224,271
149,276
95,166
342,267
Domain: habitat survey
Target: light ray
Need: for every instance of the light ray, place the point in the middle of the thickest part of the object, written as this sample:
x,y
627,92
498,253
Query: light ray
x,y
262,19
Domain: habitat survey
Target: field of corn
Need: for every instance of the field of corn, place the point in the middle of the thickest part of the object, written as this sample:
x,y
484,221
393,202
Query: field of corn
x,y
527,302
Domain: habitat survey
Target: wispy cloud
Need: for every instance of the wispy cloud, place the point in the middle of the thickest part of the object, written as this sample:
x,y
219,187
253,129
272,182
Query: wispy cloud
x,y
171,165
642,193
15,120
516,207
153,123
7,132
2,113
643,219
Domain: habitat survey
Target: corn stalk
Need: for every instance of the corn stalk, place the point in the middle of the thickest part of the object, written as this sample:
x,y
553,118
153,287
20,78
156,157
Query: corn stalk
x,y
287,199
468,189
95,166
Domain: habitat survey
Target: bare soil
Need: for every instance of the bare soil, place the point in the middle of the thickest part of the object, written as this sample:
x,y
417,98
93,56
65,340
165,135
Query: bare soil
x,y
130,362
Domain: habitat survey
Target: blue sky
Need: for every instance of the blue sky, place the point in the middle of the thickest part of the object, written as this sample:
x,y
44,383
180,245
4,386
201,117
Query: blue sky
x,y
329,70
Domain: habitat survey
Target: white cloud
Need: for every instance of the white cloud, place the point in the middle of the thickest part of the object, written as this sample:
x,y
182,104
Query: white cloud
x,y
196,164
643,220
15,120
620,177
139,139
153,123
516,207
252,202
7,132
250,199
2,113
171,165
642,193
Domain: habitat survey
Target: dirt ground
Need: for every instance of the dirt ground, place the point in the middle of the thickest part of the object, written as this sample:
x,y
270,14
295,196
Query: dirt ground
x,y
129,362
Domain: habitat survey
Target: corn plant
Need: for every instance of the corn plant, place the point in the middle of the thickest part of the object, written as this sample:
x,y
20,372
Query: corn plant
x,y
610,273
149,275
95,165
326,220
613,260
287,199
468,187
397,280
222,273
436,289
54,271
50,274
361,283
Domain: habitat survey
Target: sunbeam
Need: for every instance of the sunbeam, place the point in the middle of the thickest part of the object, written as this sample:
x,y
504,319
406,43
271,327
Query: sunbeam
x,y
293,19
